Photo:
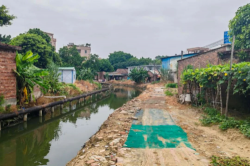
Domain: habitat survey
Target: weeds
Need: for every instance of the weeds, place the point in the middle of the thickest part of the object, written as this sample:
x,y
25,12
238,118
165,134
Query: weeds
x,y
1,103
168,93
99,86
171,85
214,117
155,82
226,161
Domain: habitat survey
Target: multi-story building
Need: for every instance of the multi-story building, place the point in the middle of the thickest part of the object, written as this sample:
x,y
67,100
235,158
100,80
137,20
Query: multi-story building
x,y
52,39
84,50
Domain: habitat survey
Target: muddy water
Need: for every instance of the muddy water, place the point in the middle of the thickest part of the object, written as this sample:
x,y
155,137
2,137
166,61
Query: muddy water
x,y
55,139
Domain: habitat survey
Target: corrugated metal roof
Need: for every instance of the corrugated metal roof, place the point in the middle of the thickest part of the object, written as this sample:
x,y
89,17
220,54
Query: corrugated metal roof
x,y
66,68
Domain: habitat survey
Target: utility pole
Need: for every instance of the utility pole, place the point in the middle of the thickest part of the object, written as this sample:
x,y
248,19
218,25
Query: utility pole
x,y
181,54
229,77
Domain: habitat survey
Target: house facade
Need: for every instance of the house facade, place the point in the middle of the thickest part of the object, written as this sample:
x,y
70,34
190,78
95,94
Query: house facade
x,y
52,39
84,50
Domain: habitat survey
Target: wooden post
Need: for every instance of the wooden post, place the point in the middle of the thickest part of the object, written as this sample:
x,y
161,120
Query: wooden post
x,y
52,109
25,117
61,106
229,77
41,113
0,125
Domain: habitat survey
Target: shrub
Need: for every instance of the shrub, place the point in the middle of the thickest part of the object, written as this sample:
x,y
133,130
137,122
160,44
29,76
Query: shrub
x,y
1,103
155,82
138,75
171,85
229,123
226,161
168,93
99,86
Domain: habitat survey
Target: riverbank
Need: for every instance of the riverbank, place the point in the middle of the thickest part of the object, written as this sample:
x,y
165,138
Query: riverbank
x,y
115,142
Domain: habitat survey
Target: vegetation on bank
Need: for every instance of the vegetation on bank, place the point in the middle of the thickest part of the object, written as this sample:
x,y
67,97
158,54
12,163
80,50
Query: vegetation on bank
x,y
138,75
229,161
213,117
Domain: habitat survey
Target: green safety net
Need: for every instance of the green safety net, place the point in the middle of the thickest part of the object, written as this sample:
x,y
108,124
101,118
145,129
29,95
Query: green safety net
x,y
162,136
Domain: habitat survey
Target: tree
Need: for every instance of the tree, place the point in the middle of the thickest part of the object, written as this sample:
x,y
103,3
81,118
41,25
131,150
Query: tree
x,y
5,17
105,65
239,27
86,74
71,58
40,33
5,39
51,80
118,57
36,44
93,63
28,75
138,75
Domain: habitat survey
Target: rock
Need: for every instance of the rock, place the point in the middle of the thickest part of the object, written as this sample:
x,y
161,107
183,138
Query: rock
x,y
81,157
94,164
97,145
111,162
98,158
83,150
90,161
134,118
99,138
103,150
119,160
124,112
114,142
123,133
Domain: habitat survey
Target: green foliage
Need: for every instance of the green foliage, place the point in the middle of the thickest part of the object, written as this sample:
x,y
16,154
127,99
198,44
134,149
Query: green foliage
x,y
36,44
5,39
118,57
5,17
86,74
242,55
1,103
155,82
40,33
27,74
226,161
71,58
7,109
213,75
239,26
214,117
93,63
171,85
168,93
74,87
51,80
121,60
138,75
99,86
164,74
105,65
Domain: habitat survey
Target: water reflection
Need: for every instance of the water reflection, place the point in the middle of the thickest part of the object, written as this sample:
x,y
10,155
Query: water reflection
x,y
56,138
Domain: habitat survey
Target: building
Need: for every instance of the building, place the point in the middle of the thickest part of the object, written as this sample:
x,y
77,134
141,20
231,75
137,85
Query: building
x,y
68,74
84,50
145,67
7,76
119,74
52,39
170,62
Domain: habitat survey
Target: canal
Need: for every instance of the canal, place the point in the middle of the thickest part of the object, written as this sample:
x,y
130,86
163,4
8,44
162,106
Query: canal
x,y
55,139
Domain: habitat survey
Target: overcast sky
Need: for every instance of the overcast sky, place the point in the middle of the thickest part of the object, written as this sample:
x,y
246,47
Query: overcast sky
x,y
144,28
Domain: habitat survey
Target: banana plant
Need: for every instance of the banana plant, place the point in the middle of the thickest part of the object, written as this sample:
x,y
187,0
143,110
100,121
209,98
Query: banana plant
x,y
27,74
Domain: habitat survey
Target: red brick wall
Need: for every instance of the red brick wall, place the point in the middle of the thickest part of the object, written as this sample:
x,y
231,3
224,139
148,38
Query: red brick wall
x,y
7,76
199,61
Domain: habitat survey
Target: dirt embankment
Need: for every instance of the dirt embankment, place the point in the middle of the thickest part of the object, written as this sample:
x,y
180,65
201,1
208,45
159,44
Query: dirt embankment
x,y
105,147
127,83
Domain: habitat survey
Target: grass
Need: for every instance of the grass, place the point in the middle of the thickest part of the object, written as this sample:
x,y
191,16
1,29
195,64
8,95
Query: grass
x,y
226,161
171,85
213,116
155,82
168,93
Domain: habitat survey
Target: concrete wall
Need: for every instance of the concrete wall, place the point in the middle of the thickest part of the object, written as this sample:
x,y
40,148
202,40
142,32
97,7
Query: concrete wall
x,y
199,61
7,76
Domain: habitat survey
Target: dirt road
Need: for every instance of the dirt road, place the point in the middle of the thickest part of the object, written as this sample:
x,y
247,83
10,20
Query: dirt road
x,y
156,130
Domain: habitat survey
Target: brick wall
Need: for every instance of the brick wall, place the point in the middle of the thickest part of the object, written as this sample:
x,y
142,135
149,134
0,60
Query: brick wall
x,y
7,76
199,61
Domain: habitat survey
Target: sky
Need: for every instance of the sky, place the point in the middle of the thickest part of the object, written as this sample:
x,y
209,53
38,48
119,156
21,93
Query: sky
x,y
144,28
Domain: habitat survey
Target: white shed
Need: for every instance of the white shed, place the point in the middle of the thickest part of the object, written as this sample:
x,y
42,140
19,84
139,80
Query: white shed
x,y
68,74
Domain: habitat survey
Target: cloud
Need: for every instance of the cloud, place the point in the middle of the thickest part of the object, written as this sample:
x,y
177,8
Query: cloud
x,y
141,27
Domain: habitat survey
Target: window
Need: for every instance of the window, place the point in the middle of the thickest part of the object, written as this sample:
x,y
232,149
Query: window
x,y
85,51
79,51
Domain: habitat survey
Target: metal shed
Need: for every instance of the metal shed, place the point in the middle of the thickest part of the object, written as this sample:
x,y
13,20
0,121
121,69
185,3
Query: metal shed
x,y
68,74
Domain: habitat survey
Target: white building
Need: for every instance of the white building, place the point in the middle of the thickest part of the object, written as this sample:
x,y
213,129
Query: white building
x,y
68,74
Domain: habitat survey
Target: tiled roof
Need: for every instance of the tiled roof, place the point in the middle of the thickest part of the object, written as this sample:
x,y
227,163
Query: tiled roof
x,y
9,47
